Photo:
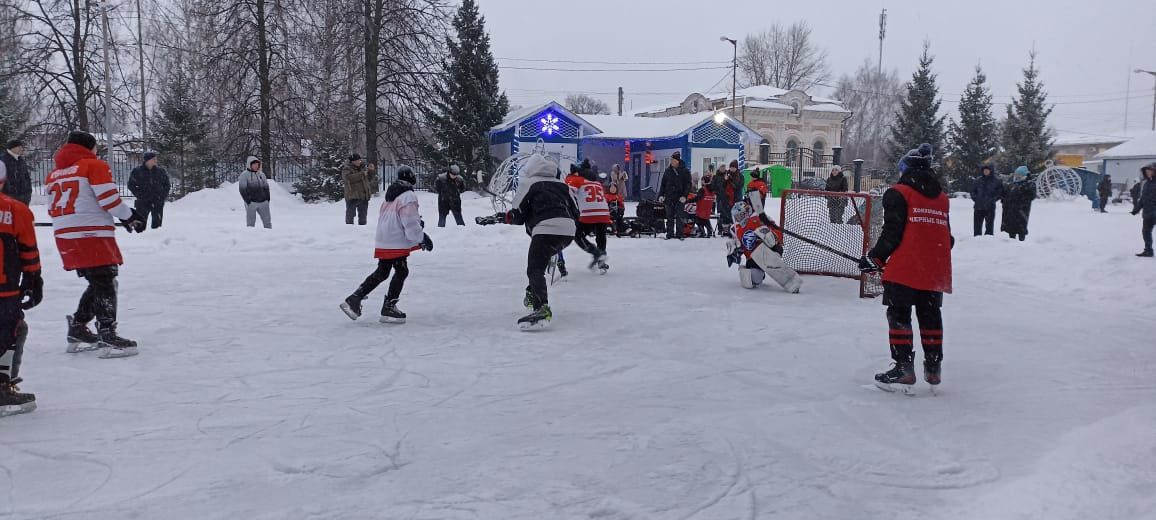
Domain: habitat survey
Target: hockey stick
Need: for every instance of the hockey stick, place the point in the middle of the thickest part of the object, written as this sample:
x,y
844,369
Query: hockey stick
x,y
820,245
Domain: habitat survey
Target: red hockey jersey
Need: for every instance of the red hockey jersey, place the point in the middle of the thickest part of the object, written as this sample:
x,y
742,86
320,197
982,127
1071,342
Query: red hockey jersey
x,y
16,232
84,200
592,206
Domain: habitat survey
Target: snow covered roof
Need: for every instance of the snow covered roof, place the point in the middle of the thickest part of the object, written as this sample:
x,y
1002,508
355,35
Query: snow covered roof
x,y
1078,139
756,91
1142,146
513,118
826,107
759,103
627,127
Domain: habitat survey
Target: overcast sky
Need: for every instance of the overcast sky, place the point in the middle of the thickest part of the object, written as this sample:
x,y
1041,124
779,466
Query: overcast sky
x,y
1086,50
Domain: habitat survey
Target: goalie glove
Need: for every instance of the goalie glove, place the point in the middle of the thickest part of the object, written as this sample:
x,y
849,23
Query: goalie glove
x,y
869,265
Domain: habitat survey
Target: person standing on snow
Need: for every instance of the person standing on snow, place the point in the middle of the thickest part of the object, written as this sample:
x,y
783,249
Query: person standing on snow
x,y
399,231
254,187
1145,202
914,253
84,202
1017,204
1104,189
758,185
449,187
675,186
359,183
618,178
986,190
19,184
22,289
836,183
150,185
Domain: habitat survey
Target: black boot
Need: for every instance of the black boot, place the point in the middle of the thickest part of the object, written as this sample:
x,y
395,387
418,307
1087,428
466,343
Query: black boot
x,y
528,299
12,401
113,344
932,361
1147,253
352,306
390,313
901,377
562,269
537,320
80,337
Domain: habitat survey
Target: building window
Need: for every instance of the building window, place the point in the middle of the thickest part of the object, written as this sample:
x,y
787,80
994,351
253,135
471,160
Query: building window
x,y
818,147
792,144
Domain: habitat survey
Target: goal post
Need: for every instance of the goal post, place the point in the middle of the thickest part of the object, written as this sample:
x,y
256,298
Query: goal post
x,y
824,231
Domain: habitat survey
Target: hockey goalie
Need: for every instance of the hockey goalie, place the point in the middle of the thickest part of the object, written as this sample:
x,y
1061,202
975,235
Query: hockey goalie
x,y
756,249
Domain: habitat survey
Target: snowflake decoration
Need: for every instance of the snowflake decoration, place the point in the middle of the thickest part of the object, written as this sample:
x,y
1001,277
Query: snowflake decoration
x,y
550,124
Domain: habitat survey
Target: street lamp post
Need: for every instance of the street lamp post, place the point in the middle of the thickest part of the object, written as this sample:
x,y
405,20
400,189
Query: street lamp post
x,y
1142,71
734,75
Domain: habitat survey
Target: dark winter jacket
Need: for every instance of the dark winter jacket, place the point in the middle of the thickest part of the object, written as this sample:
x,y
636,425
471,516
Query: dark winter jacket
x,y
922,178
19,184
986,190
837,182
254,185
149,185
676,182
543,202
359,182
396,188
1017,207
449,191
1146,202
1105,187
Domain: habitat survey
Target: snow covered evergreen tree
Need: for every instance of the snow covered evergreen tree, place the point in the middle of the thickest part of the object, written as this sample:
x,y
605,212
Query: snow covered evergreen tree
x,y
975,138
180,128
468,99
323,182
1027,140
918,120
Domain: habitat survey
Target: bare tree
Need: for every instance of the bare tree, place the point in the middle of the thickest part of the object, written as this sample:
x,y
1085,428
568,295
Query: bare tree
x,y
783,57
583,104
15,105
873,99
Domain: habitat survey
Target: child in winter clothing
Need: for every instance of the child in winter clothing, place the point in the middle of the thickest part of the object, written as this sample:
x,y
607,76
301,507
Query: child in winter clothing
x,y
617,205
399,231
704,203
593,217
758,239
914,252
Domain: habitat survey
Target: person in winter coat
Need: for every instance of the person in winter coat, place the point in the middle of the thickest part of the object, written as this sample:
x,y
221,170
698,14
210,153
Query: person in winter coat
x,y
19,183
1104,189
1145,203
449,187
727,186
676,184
914,253
150,185
704,204
1017,204
85,203
359,182
22,289
254,187
399,232
618,179
836,182
986,190
617,204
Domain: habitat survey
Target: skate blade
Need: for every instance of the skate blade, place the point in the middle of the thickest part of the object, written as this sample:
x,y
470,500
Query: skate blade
x,y
394,321
908,390
348,311
75,347
17,409
113,353
533,327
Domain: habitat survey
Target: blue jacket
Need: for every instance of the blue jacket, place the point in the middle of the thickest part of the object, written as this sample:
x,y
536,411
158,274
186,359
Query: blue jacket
x,y
986,191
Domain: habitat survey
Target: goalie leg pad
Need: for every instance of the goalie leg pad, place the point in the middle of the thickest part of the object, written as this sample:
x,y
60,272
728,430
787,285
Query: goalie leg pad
x,y
746,278
773,264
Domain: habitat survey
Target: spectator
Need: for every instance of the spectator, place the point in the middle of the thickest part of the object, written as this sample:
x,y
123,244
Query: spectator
x,y
986,190
618,178
675,186
1145,202
254,186
836,182
1105,191
727,185
19,184
1017,204
359,183
617,206
758,184
150,185
705,201
449,187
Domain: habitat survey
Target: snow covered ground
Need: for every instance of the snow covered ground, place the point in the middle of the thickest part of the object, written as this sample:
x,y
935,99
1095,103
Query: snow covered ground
x,y
664,390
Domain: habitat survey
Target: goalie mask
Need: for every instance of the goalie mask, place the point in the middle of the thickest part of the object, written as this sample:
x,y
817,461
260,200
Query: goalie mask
x,y
742,211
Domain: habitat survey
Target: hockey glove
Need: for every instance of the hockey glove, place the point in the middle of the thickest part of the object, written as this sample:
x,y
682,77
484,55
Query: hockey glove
x,y
32,289
736,257
135,223
426,243
869,265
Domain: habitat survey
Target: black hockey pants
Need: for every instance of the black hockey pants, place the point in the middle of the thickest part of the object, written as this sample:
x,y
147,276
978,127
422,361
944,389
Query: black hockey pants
x,y
400,268
581,238
99,299
542,248
13,332
899,300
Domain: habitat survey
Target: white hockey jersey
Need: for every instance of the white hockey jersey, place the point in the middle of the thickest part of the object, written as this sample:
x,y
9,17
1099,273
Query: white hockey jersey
x,y
83,201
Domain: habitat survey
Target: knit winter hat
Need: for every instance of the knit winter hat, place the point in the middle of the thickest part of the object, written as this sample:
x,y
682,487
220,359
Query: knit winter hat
x,y
355,157
1021,171
13,144
82,138
677,155
148,156
455,170
405,173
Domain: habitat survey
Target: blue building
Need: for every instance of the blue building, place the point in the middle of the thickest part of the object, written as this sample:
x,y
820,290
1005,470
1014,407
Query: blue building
x,y
641,145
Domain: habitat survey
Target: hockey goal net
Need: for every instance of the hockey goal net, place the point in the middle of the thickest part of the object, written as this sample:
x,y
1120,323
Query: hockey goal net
x,y
825,233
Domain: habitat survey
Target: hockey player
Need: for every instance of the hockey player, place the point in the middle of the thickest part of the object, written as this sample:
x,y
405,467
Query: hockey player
x,y
593,217
755,247
21,288
704,204
914,253
399,231
84,202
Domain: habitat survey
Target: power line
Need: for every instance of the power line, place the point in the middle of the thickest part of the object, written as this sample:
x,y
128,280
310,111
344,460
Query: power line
x,y
678,69
583,62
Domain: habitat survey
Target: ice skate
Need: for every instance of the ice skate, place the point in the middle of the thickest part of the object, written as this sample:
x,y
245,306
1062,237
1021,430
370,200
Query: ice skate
x,y
12,401
537,320
391,314
932,366
80,337
562,272
901,378
599,264
352,307
114,346
528,299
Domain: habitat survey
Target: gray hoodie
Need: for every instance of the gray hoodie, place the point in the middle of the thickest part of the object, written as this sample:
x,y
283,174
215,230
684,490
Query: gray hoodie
x,y
254,186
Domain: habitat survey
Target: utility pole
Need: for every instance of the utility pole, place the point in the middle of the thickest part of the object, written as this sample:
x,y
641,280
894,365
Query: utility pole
x,y
144,131
882,34
107,80
621,98
878,130
1153,73
734,75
